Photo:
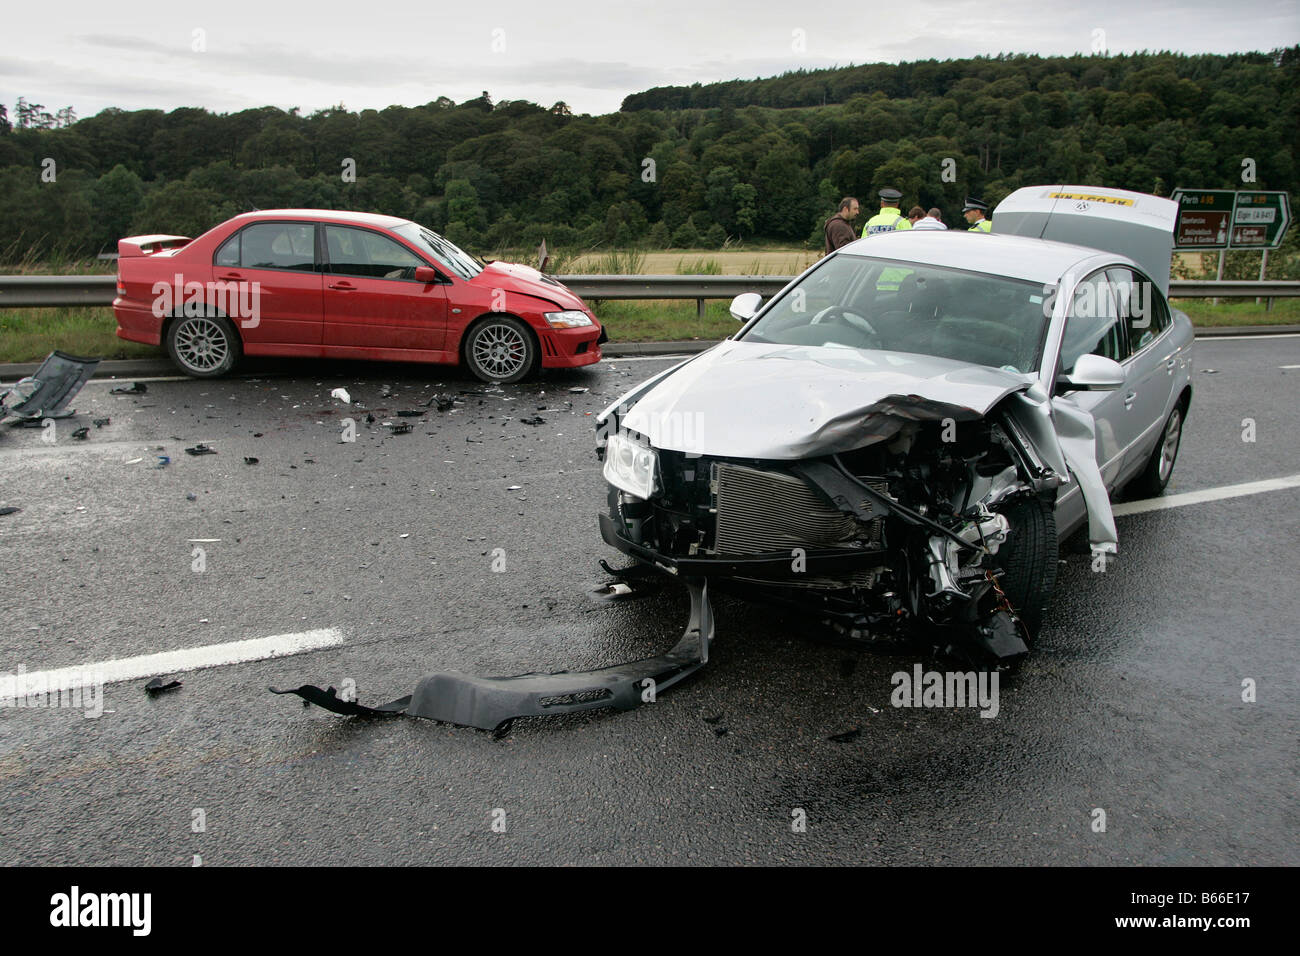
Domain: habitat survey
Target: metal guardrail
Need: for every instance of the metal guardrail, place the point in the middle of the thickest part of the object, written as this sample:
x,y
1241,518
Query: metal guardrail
x,y
39,292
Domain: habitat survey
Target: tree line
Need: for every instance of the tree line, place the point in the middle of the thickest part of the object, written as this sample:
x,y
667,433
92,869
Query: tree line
x,y
676,166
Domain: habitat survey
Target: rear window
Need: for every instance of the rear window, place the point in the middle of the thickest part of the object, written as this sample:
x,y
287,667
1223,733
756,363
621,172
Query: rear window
x,y
271,245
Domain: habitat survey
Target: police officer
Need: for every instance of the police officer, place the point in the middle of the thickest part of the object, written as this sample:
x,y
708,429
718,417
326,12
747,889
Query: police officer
x,y
974,212
889,218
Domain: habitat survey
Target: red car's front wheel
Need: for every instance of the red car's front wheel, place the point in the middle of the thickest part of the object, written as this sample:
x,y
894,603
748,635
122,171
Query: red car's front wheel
x,y
501,349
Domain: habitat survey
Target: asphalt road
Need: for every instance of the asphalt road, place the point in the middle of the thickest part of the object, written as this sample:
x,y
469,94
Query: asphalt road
x,y
1131,703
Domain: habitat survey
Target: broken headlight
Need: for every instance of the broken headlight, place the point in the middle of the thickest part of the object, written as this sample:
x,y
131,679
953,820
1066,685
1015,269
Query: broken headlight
x,y
630,465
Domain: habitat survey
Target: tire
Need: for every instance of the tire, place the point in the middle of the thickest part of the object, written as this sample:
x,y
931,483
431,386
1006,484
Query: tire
x,y
205,346
1160,466
1028,559
501,349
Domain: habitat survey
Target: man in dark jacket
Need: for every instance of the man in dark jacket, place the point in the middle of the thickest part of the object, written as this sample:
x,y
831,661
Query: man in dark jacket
x,y
839,228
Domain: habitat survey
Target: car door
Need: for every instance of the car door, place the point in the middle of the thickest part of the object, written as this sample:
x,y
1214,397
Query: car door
x,y
1093,325
372,298
1151,363
272,267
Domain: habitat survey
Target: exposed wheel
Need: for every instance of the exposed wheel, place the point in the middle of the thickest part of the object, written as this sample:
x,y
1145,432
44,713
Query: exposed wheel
x,y
501,349
1028,559
1151,482
204,346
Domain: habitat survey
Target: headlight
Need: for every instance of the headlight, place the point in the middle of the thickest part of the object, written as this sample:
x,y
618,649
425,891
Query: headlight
x,y
630,466
571,319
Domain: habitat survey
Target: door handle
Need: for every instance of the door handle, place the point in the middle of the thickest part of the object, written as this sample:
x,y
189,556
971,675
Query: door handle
x,y
1171,364
1129,399
343,286
230,277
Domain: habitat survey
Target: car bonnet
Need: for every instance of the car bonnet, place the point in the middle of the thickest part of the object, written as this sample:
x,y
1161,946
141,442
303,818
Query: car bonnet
x,y
781,402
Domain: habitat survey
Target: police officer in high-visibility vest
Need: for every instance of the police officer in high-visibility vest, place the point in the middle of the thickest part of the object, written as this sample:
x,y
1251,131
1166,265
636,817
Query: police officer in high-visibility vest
x,y
889,219
974,211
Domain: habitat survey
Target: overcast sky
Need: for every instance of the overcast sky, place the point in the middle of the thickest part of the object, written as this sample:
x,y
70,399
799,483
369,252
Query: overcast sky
x,y
91,54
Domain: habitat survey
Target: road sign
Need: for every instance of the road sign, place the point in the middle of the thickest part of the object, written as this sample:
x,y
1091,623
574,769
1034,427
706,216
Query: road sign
x,y
1204,218
1211,219
1260,220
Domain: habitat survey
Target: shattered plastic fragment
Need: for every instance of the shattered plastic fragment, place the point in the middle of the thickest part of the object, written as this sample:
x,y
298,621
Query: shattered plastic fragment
x,y
342,395
10,510
398,428
135,388
158,686
163,461
101,422
81,434
248,460
200,449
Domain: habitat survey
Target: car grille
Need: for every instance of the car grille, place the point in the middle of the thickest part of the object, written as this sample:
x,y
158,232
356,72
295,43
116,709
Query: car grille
x,y
765,511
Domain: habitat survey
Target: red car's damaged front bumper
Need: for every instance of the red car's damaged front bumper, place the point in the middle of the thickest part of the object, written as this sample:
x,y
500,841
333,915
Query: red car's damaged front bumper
x,y
572,348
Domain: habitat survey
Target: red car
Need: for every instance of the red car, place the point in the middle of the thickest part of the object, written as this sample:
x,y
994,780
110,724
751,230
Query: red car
x,y
321,284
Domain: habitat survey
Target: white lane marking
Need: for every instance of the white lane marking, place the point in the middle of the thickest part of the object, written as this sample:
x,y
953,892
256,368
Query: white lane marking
x,y
1209,494
1263,337
645,358
1289,366
169,662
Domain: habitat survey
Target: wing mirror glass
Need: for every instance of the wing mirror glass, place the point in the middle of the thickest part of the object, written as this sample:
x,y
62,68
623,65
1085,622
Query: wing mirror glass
x,y
1092,373
745,306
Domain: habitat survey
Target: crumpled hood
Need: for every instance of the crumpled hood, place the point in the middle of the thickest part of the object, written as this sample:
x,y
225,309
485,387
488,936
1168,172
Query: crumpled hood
x,y
524,279
782,402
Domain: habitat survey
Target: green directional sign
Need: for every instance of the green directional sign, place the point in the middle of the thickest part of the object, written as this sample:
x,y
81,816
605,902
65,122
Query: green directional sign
x,y
1210,219
1204,218
1260,220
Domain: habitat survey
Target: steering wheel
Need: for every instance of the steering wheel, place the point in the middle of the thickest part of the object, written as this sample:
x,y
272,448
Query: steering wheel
x,y
838,315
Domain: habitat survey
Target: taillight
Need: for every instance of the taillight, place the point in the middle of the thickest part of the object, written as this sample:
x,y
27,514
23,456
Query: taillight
x,y
121,289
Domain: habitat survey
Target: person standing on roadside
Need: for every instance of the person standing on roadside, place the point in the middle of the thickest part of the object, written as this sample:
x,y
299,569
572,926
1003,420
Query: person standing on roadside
x,y
889,219
974,212
915,215
933,220
839,228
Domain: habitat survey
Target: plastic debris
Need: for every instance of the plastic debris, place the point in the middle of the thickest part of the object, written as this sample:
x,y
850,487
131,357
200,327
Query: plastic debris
x,y
163,461
578,390
101,422
398,428
81,434
535,420
200,449
135,461
342,395
406,413
135,388
158,686
10,510
515,488
248,460
191,496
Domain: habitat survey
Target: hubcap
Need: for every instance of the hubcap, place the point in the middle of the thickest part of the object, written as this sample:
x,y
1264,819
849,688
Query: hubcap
x,y
1169,448
500,350
201,344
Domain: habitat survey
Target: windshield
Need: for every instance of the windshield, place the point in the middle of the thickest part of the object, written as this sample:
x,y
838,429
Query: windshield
x,y
863,303
449,254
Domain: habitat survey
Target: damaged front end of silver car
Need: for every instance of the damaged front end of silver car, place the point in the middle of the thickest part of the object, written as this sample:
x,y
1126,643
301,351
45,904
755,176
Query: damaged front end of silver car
x,y
939,524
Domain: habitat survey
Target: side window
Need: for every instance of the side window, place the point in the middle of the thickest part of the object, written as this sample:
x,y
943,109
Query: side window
x,y
360,252
1141,306
278,245
1093,324
228,255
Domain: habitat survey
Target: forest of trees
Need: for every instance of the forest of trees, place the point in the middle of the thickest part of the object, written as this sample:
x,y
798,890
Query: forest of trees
x,y
676,166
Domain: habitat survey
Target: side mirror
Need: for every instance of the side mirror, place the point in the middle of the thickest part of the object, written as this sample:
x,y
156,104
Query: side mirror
x,y
745,306
427,274
1092,373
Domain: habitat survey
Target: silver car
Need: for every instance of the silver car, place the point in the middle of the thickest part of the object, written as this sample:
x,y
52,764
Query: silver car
x,y
900,437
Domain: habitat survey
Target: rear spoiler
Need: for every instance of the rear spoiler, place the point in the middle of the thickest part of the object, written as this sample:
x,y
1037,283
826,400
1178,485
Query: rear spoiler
x,y
148,245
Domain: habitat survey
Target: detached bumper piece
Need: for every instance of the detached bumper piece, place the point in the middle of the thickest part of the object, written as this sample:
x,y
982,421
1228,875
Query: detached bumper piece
x,y
490,702
47,393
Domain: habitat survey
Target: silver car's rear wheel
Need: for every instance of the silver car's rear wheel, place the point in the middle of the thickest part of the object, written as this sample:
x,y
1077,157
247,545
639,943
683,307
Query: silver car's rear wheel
x,y
1155,476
